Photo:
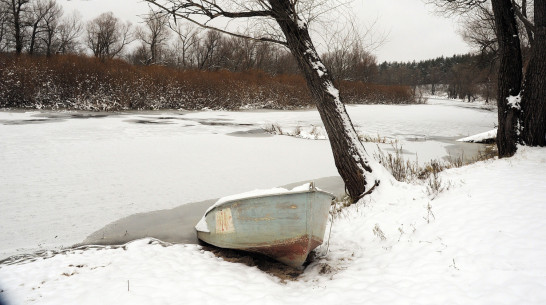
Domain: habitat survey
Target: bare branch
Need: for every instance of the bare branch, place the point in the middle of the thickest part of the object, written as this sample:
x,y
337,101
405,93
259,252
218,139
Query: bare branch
x,y
189,10
456,7
521,13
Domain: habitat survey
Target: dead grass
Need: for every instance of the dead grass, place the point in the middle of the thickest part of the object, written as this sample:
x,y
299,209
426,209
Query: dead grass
x,y
410,171
339,204
377,139
379,233
401,169
274,129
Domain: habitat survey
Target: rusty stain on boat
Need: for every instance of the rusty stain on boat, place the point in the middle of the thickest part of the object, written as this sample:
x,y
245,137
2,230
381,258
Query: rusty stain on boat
x,y
224,221
266,218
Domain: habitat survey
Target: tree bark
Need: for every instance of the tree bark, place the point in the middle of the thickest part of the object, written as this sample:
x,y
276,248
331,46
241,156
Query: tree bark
x,y
18,35
349,154
33,38
49,42
534,88
509,78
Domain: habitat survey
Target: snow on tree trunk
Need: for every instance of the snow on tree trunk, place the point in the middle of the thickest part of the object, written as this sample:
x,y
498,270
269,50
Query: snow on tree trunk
x,y
349,153
510,77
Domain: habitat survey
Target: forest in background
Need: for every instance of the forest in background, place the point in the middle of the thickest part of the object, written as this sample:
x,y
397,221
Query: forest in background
x,y
112,65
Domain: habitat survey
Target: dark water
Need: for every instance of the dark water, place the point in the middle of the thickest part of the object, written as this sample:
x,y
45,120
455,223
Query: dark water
x,y
177,225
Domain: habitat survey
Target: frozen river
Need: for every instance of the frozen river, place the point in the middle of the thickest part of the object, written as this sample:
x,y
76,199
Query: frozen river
x,y
63,175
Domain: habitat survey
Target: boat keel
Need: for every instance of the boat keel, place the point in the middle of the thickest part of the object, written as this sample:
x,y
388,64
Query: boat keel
x,y
292,252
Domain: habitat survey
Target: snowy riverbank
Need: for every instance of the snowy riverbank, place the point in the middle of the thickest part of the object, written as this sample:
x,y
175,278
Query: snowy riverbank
x,y
66,175
479,242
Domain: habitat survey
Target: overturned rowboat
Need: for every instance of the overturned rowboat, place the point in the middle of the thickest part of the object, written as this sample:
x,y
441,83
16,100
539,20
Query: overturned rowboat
x,y
284,225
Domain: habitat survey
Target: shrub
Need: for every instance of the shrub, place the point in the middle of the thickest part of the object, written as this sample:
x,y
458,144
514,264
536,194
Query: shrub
x,y
86,83
365,93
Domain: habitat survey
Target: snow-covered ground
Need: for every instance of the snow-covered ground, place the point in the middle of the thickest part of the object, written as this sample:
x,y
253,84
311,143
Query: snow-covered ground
x,y
479,242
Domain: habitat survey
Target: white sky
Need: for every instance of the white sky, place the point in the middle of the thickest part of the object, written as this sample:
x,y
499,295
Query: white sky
x,y
414,31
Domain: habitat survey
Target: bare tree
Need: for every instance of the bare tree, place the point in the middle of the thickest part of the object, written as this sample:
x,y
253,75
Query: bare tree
x,y
187,38
291,19
348,50
206,50
37,12
107,36
266,53
242,53
154,34
522,113
510,76
43,21
4,25
284,62
68,33
478,29
350,62
51,23
17,8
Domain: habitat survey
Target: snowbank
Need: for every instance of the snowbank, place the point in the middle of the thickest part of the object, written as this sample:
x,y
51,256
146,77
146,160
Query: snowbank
x,y
484,137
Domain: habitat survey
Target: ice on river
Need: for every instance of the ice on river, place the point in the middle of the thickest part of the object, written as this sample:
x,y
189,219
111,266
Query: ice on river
x,y
66,174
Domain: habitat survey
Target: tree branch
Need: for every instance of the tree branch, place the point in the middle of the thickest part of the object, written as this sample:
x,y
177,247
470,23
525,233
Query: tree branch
x,y
211,10
522,15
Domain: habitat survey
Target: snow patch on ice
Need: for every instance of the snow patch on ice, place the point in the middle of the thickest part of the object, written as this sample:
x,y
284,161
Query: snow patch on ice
x,y
481,137
183,155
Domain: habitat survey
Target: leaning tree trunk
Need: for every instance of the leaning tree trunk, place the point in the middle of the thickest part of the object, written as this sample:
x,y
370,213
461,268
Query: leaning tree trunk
x,y
510,77
534,88
349,154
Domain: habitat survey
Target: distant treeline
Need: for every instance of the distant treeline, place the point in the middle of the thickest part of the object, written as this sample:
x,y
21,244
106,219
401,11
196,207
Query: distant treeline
x,y
465,76
89,83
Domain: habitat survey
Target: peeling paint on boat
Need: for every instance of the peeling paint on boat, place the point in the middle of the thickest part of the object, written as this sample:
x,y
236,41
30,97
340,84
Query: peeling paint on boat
x,y
224,221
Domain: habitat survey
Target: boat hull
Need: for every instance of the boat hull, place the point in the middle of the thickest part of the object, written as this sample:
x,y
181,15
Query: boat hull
x,y
286,227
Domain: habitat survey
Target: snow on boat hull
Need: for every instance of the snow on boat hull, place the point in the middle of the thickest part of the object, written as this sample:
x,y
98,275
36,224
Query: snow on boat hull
x,y
284,226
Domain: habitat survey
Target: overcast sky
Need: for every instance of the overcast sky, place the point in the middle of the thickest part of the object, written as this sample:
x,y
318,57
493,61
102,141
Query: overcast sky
x,y
414,32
